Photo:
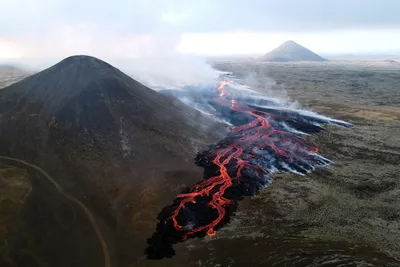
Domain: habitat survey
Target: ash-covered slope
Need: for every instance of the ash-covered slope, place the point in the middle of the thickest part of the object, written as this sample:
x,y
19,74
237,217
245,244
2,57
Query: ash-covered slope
x,y
291,51
115,145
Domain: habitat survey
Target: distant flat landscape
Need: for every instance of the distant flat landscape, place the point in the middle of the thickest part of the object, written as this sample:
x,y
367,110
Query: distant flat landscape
x,y
11,74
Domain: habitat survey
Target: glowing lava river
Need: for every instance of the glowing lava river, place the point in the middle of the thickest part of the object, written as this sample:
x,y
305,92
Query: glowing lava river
x,y
265,138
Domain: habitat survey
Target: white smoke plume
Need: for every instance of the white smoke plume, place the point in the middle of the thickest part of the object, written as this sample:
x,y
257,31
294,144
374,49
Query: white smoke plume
x,y
169,72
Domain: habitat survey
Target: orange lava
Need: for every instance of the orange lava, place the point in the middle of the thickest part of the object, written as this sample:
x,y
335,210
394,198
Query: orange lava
x,y
258,130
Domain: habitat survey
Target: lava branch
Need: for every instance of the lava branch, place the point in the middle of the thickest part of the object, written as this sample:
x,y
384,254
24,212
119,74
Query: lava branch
x,y
205,188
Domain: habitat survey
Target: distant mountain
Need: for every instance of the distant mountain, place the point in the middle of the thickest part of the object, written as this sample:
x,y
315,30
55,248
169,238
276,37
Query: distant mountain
x,y
115,145
391,61
291,51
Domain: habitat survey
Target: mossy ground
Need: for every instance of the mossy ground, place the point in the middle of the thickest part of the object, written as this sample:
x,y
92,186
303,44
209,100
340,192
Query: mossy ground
x,y
14,187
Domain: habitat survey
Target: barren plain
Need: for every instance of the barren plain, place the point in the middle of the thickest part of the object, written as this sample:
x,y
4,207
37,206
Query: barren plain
x,y
354,203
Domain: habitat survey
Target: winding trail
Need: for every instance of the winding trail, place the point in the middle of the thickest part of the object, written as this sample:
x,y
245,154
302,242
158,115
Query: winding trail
x,y
89,215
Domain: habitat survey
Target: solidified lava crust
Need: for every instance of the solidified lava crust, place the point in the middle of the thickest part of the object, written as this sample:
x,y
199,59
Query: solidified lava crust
x,y
261,142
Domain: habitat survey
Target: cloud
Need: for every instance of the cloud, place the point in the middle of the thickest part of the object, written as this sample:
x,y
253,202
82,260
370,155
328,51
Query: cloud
x,y
60,27
18,17
303,16
142,27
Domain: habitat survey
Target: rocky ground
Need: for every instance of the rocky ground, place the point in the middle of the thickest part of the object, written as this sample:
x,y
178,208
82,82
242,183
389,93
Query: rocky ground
x,y
345,215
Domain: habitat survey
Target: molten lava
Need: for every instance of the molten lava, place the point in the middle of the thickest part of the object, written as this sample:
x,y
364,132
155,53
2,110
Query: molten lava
x,y
260,143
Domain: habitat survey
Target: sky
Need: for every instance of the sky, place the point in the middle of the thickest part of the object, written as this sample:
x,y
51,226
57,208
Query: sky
x,y
154,28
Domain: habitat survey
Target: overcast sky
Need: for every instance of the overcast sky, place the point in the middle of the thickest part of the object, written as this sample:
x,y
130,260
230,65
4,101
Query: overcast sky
x,y
131,28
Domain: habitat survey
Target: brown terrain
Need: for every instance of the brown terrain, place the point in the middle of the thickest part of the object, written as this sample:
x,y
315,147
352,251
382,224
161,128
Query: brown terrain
x,y
84,204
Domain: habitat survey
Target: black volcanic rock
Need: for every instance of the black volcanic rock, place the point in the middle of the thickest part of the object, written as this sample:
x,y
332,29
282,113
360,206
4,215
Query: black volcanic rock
x,y
291,51
109,141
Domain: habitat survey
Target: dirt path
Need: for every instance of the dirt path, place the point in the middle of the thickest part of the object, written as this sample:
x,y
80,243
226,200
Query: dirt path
x,y
107,262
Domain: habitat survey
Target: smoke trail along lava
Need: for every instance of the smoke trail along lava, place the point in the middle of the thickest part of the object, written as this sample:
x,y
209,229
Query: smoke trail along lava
x,y
263,131
260,143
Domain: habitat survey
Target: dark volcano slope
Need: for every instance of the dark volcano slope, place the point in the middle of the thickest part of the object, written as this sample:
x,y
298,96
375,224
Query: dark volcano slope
x,y
112,144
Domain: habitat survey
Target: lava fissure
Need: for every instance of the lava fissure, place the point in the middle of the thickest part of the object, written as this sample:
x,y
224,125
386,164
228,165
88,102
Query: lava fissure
x,y
260,143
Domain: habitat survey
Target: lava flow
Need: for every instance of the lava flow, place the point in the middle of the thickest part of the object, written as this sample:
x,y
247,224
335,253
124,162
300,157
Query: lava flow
x,y
262,141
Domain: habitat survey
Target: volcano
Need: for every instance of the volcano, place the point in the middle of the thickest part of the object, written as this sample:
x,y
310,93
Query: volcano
x,y
291,51
102,150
